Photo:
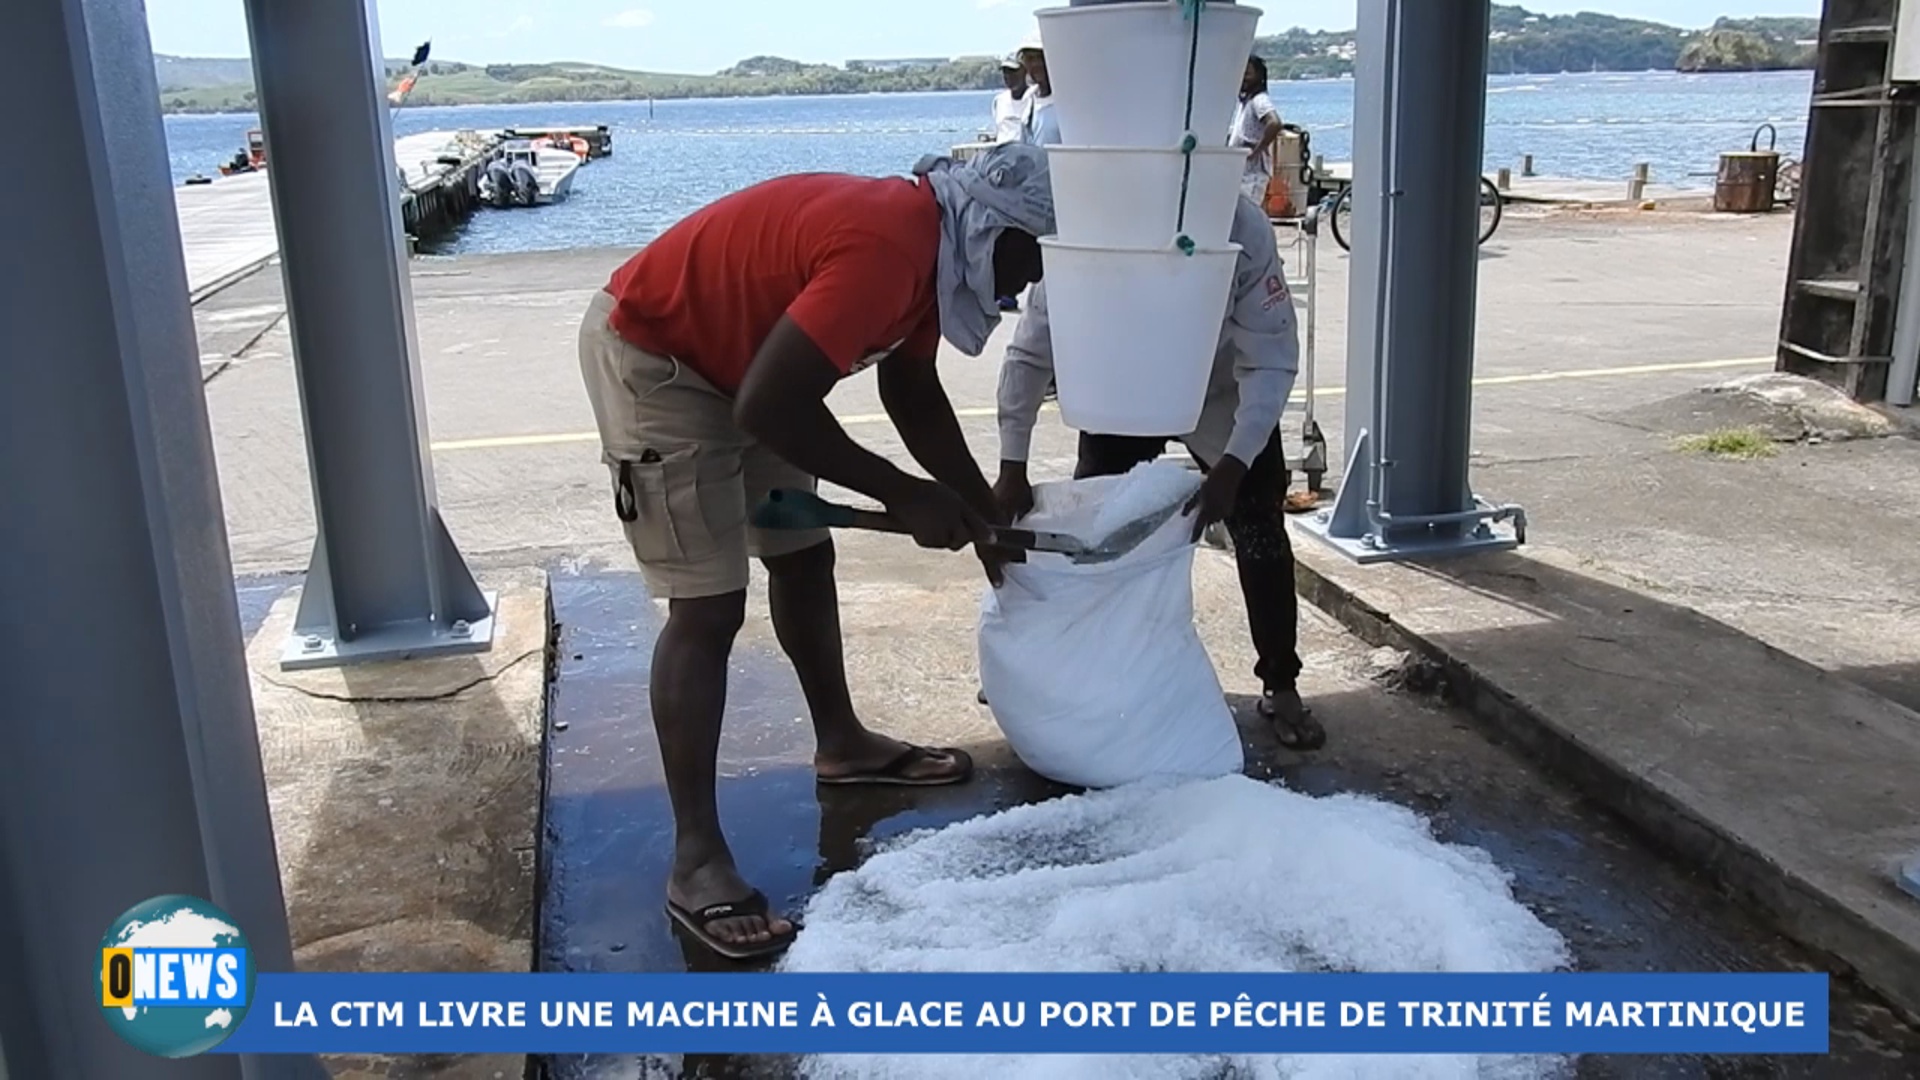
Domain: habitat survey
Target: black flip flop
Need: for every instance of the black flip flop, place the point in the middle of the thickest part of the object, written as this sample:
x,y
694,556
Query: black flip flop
x,y
1299,732
697,922
895,773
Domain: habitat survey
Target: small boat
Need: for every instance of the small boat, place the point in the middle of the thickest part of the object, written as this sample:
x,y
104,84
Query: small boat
x,y
573,144
252,158
529,174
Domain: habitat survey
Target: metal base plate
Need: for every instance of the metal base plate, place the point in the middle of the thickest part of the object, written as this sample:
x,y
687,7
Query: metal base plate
x,y
406,642
1362,551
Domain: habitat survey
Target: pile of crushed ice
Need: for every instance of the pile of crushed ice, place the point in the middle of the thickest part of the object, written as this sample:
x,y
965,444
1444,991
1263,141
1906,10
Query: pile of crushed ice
x,y
1218,875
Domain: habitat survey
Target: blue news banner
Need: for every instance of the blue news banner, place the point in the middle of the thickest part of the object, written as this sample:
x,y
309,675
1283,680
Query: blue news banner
x,y
1036,1014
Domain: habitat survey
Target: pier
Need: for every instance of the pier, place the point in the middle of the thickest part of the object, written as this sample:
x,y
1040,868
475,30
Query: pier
x,y
227,228
440,176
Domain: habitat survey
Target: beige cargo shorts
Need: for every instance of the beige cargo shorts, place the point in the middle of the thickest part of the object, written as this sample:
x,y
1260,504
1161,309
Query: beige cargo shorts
x,y
684,476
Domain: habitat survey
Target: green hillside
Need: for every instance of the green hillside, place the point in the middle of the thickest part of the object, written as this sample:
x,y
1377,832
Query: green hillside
x,y
1521,43
193,73
449,83
1525,43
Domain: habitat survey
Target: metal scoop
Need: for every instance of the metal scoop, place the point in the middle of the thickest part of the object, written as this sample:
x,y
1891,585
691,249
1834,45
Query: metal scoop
x,y
1135,532
790,509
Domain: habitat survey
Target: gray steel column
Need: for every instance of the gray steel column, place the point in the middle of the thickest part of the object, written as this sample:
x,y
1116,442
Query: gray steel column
x,y
386,579
129,765
1419,110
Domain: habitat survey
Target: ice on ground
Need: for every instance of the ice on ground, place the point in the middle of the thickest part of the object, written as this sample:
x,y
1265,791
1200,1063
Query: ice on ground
x,y
1227,874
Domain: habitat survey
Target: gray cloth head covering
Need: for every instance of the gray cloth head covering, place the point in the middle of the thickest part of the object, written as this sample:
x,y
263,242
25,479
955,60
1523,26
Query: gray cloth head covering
x,y
1006,186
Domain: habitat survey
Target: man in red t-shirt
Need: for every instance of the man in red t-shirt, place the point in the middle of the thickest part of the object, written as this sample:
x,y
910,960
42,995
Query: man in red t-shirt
x,y
708,360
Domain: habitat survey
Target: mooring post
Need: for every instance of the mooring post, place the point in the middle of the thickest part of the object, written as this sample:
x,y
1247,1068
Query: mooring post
x,y
386,580
1637,187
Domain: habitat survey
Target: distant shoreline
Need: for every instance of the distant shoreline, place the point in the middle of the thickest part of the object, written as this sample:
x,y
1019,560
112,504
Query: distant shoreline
x,y
248,109
1519,42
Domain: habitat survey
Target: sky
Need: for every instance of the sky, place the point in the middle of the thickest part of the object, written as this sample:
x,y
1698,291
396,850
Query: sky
x,y
703,36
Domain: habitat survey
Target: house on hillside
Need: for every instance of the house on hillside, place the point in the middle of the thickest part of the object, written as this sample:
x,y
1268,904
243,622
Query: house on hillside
x,y
918,63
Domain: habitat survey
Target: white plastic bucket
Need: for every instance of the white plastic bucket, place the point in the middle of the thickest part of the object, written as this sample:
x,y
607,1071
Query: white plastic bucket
x,y
1119,71
1134,333
1130,197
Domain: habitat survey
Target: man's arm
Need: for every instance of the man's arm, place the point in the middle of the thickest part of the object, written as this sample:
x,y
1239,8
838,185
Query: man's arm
x,y
783,403
1024,377
911,393
1270,125
1265,336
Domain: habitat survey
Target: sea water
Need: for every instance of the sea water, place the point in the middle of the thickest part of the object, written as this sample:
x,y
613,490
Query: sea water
x,y
673,157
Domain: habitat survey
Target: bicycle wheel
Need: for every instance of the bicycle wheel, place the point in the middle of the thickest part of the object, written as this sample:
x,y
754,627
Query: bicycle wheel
x,y
1342,217
1491,205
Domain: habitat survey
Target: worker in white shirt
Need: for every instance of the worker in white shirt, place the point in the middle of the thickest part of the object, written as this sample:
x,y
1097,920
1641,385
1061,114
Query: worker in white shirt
x,y
1237,444
1256,124
1009,110
1039,126
1009,116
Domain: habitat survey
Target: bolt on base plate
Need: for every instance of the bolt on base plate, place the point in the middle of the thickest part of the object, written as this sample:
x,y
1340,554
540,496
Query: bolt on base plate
x,y
405,642
1371,548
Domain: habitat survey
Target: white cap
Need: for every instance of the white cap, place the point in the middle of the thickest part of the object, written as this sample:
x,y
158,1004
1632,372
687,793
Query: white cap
x,y
1032,41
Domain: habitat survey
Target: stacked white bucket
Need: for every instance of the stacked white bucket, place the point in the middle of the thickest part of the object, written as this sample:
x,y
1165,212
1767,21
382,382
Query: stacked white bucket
x,y
1135,320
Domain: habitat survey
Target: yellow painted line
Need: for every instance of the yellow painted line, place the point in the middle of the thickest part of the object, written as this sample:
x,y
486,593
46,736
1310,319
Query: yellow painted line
x,y
988,411
500,441
1621,372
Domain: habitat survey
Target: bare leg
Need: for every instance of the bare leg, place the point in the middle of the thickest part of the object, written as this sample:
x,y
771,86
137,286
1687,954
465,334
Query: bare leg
x,y
806,618
689,695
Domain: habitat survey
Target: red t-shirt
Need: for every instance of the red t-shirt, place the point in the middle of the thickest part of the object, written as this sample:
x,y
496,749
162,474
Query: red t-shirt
x,y
850,259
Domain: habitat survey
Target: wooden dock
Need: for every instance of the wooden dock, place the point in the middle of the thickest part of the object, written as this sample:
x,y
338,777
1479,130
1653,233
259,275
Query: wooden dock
x,y
227,229
440,176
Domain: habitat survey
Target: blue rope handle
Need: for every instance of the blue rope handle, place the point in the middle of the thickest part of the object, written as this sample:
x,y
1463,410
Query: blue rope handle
x,y
1191,10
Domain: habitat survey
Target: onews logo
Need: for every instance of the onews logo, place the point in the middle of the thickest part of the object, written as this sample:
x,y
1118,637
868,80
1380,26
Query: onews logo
x,y
176,976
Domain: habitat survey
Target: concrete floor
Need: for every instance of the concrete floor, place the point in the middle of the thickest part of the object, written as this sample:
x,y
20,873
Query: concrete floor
x,y
1665,302
1584,319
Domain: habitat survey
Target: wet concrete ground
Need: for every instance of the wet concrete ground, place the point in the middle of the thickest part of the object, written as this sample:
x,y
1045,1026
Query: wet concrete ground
x,y
1621,906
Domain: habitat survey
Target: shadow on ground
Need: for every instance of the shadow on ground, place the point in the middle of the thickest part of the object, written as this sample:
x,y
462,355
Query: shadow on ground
x,y
1896,682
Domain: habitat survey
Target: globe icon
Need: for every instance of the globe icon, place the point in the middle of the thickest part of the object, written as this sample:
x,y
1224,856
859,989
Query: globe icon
x,y
177,922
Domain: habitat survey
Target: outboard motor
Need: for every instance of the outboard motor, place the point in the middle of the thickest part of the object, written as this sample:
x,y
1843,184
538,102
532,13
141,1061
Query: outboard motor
x,y
526,183
497,185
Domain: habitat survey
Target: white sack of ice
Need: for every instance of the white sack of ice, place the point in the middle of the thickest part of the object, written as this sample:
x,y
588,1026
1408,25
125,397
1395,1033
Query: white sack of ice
x,y
1228,874
1095,673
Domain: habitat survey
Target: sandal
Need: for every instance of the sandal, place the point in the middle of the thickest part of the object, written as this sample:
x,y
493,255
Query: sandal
x,y
1293,723
900,771
698,922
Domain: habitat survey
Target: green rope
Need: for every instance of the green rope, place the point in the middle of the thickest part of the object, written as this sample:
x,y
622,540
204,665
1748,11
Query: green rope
x,y
1191,9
